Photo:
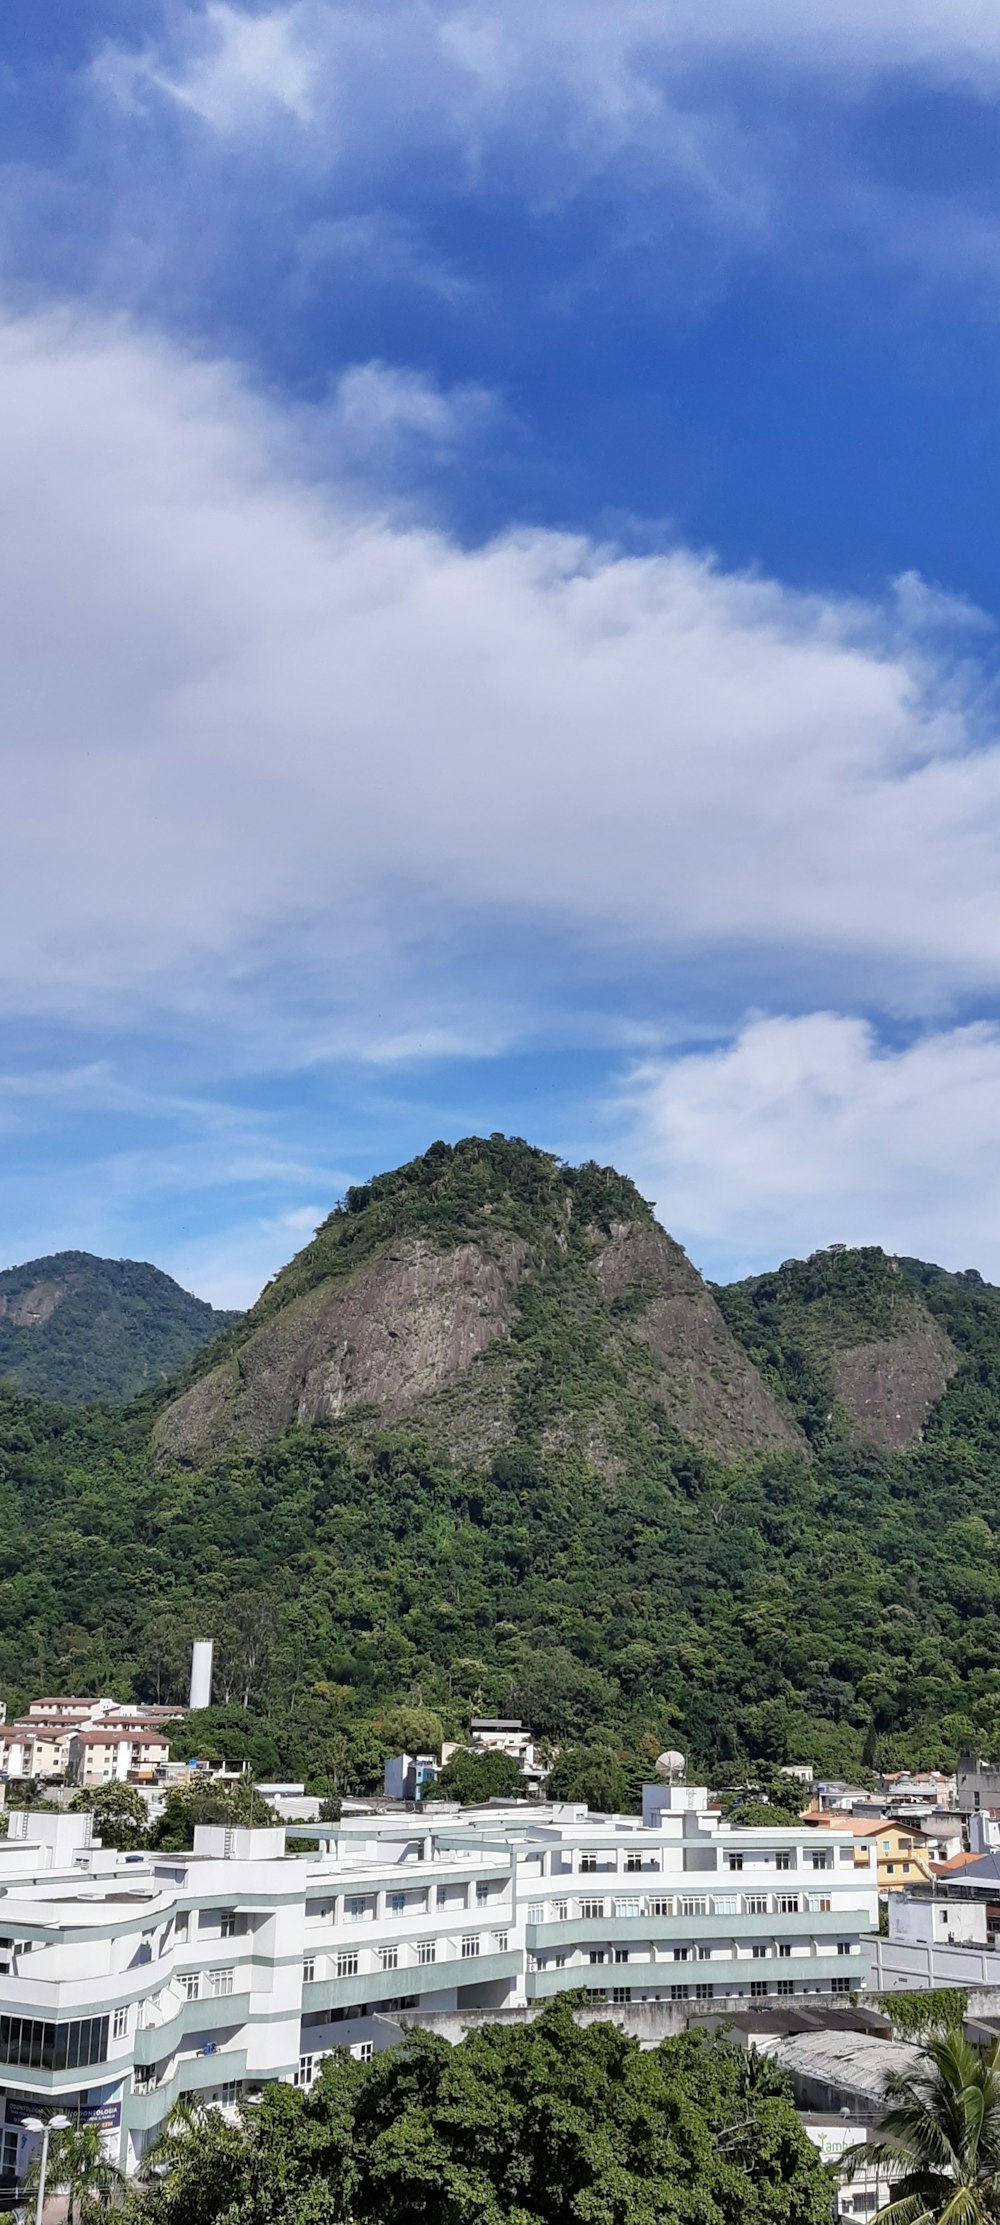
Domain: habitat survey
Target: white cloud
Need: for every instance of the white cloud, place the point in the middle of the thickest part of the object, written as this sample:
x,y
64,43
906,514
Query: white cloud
x,y
231,1266
254,736
805,1132
238,68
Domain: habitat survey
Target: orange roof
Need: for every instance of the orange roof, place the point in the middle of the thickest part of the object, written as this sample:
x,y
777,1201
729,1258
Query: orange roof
x,y
954,1862
863,1827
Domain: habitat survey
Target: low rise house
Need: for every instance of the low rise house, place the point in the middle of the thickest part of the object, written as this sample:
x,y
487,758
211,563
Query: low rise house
x,y
897,1852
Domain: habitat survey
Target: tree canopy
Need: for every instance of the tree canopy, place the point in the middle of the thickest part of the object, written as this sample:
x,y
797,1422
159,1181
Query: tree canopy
x,y
545,2123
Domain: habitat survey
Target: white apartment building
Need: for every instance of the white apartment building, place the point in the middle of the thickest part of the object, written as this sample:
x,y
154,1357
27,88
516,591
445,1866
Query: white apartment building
x,y
127,1981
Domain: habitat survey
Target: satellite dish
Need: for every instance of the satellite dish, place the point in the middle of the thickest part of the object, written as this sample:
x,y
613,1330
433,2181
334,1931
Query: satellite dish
x,y
670,1764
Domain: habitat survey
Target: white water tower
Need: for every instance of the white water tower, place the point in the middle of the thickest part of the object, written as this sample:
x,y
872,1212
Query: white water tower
x,y
200,1694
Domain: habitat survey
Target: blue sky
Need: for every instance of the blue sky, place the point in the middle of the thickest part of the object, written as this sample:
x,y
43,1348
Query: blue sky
x,y
499,614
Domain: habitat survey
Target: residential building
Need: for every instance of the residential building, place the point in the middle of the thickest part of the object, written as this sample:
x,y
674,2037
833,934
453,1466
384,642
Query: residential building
x,y
406,1776
40,1744
977,1783
116,1755
947,1933
897,1852
127,1981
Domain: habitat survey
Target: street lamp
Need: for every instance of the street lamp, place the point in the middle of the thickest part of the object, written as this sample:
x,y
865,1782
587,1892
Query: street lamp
x,y
50,2125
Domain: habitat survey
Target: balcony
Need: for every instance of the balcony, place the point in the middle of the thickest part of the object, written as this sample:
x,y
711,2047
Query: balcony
x,y
373,1986
725,1976
192,2075
621,1930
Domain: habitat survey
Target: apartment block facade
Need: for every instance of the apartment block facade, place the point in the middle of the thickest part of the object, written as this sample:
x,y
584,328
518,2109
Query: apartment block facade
x,y
128,1981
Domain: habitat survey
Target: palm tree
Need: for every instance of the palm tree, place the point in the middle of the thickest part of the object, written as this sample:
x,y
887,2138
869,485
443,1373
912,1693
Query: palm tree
x,y
939,2135
79,2168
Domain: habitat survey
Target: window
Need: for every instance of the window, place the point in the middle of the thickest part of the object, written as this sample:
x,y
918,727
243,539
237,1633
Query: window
x,y
588,1862
181,1923
821,1862
190,1984
840,1985
694,1907
557,1962
426,1950
347,1966
788,1904
303,2076
536,1911
229,1924
470,1945
735,1861
597,1954
821,1907
598,1993
784,1985
755,1904
119,2025
362,2051
782,1861
621,1994
309,1970
143,2077
355,1909
621,1954
680,1993
659,1908
886,1846
890,1868
633,1861
758,1986
906,1869
229,2094
758,1953
704,1954
725,1904
219,1982
560,1911
500,1942
395,1904
845,1947
388,1958
682,1954
784,1950
482,1892
704,1993
626,1908
28,2044
591,1910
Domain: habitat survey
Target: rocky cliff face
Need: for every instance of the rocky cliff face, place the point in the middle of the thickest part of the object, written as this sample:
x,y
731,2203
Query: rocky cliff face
x,y
851,1343
486,1292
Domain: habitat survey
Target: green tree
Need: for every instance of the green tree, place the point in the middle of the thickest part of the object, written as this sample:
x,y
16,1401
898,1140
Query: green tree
x,y
544,2124
940,2133
121,1818
474,1776
412,1730
78,2168
202,1802
593,1774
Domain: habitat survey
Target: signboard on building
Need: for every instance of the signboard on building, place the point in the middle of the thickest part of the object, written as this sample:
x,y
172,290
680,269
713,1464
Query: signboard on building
x,y
105,2116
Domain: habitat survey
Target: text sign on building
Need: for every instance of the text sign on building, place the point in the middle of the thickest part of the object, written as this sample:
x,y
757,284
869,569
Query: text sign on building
x,y
105,2116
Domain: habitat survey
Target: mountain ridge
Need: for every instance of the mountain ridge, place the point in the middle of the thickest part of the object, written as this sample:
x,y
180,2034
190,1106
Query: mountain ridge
x,y
76,1328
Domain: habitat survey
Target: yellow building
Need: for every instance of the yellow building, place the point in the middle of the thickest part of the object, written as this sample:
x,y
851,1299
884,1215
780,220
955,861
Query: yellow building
x,y
898,1852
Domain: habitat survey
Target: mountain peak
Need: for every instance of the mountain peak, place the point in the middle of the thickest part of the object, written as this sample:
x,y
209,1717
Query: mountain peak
x,y
74,1327
489,1292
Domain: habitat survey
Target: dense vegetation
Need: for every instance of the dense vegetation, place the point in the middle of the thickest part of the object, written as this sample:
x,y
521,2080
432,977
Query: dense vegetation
x,y
76,1328
829,1605
542,2125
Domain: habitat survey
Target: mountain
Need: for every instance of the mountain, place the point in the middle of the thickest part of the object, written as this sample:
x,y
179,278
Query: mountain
x,y
848,1342
493,1293
489,1444
75,1328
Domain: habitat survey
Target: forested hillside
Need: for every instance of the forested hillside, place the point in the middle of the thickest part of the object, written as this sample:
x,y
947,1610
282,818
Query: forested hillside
x,y
823,1599
76,1328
